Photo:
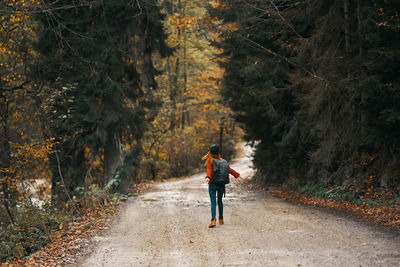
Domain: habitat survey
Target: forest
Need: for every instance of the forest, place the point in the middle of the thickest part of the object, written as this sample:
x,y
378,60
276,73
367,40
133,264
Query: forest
x,y
97,96
316,86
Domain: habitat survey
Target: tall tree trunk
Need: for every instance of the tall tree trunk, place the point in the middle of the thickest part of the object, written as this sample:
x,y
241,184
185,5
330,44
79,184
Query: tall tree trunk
x,y
176,85
177,66
148,81
347,33
359,21
184,107
221,132
4,138
363,118
346,25
5,152
112,155
172,96
56,188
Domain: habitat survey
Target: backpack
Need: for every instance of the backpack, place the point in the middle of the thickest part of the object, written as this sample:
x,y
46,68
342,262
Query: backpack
x,y
221,172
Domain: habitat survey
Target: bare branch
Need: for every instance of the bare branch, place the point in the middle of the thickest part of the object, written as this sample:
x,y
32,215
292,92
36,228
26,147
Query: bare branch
x,y
21,86
278,13
269,51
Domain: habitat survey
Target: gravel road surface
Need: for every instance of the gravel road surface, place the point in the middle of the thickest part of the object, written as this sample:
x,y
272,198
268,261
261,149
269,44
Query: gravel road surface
x,y
167,226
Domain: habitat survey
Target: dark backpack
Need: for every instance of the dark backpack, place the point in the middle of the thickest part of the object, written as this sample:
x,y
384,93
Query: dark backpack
x,y
221,172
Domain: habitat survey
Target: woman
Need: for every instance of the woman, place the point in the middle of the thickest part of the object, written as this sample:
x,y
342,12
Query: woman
x,y
213,188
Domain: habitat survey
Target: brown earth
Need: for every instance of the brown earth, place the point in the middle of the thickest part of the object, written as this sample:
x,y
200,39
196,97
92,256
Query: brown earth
x,y
167,226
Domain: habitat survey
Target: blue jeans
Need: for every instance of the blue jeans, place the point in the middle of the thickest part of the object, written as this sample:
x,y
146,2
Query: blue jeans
x,y
213,189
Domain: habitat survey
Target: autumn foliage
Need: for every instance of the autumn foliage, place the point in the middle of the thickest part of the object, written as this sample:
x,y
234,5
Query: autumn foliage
x,y
192,115
89,108
387,215
69,238
99,96
380,207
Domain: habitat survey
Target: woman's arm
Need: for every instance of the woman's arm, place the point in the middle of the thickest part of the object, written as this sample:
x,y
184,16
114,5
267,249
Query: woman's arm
x,y
210,171
234,173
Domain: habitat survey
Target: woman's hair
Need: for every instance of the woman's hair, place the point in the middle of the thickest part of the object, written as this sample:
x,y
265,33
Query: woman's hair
x,y
214,149
212,154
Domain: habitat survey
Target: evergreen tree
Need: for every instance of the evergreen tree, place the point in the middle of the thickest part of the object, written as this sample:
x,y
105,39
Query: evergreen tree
x,y
316,83
89,57
257,85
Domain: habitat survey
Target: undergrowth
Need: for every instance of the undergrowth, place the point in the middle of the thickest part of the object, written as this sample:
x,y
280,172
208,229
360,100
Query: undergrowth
x,y
33,226
371,197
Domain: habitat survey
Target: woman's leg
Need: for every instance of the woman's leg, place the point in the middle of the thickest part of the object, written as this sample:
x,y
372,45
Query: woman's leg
x,y
221,191
212,191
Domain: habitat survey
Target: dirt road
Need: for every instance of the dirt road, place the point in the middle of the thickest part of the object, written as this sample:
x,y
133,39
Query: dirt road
x,y
167,226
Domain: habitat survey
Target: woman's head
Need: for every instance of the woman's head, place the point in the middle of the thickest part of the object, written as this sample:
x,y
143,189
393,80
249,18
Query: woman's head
x,y
214,149
212,154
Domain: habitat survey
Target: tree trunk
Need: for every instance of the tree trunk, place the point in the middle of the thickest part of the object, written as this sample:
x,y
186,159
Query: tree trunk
x,y
184,107
359,20
6,206
221,132
112,156
4,137
148,81
346,25
172,97
56,188
363,118
177,66
5,160
176,86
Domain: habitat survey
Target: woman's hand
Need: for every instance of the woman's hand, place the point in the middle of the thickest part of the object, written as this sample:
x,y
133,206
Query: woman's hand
x,y
207,180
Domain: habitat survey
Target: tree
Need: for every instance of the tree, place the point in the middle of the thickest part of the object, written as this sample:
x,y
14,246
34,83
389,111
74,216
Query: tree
x,y
257,84
191,109
317,85
89,58
16,32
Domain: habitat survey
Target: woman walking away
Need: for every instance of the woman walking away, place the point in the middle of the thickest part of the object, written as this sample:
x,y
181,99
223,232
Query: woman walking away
x,y
217,176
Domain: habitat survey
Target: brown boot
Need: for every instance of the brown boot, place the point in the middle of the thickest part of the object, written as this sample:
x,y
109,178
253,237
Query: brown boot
x,y
221,221
213,223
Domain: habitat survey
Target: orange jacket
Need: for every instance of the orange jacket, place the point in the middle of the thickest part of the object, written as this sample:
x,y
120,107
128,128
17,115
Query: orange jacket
x,y
210,171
